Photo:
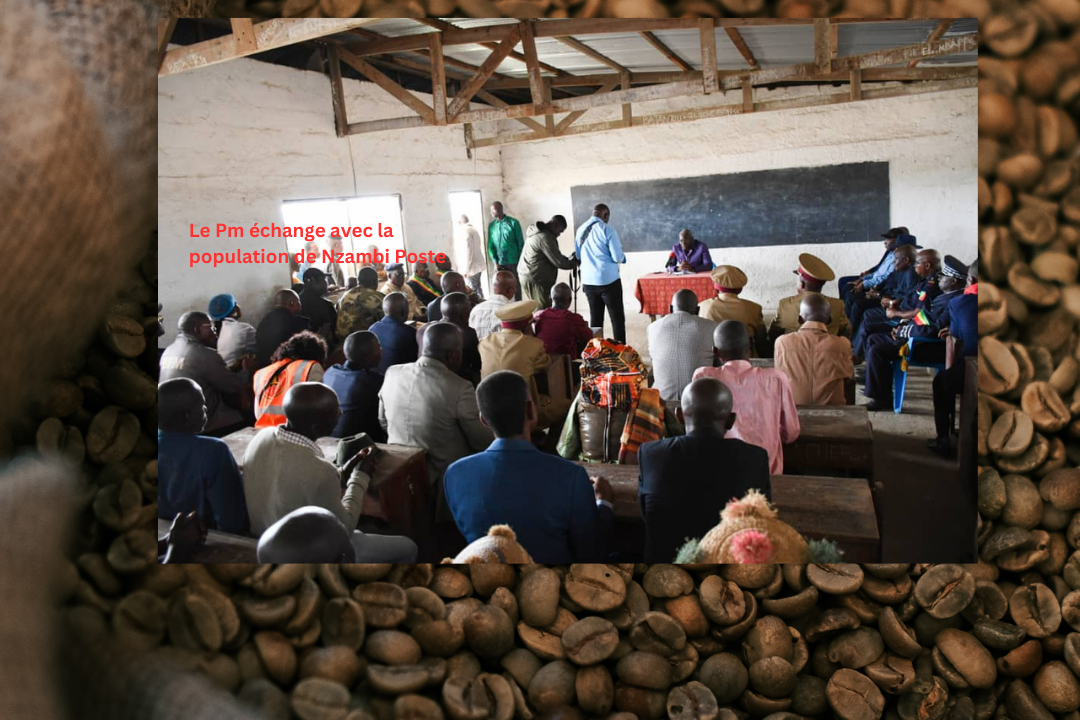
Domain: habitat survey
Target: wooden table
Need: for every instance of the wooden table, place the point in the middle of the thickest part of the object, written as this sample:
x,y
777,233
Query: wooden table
x,y
399,494
220,547
840,509
836,441
655,290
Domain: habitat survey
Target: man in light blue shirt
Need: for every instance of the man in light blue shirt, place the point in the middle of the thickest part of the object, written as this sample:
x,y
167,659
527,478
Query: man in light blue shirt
x,y
600,251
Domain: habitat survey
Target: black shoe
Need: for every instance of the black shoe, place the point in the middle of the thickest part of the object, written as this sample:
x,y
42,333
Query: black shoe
x,y
875,406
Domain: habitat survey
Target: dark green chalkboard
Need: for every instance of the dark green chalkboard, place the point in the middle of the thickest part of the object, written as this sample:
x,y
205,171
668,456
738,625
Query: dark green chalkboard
x,y
793,206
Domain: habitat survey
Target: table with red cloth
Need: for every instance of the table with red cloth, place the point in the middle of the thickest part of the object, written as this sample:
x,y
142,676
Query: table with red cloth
x,y
655,290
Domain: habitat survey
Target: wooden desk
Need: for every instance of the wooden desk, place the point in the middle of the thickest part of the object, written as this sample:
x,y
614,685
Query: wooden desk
x,y
840,509
220,547
399,494
836,441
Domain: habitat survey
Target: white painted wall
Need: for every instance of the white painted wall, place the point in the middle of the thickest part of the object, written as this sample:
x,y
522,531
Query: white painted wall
x,y
929,141
236,139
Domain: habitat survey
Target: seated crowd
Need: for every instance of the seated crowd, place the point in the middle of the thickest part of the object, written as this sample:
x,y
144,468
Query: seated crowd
x,y
424,362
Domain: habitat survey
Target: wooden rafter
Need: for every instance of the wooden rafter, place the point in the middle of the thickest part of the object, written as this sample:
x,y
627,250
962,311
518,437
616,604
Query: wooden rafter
x,y
741,46
572,117
484,72
691,115
532,62
496,101
748,97
438,78
165,29
708,56
374,75
938,33
822,45
447,61
856,83
627,109
244,32
444,26
666,51
267,36
589,52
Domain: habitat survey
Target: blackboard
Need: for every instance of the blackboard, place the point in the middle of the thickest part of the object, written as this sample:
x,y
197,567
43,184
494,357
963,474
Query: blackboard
x,y
830,204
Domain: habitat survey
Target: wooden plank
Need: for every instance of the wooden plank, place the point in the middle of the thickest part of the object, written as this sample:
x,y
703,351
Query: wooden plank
x,y
400,123
244,33
894,56
165,29
747,97
500,103
708,56
532,67
438,78
589,52
735,109
600,26
455,36
666,51
549,117
497,55
404,96
268,36
835,41
627,112
822,41
569,119
742,47
445,26
939,32
337,93
856,83
448,62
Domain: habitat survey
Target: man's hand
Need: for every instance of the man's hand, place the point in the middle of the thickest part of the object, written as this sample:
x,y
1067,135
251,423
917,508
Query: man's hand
x,y
943,333
857,286
602,488
891,313
685,265
365,459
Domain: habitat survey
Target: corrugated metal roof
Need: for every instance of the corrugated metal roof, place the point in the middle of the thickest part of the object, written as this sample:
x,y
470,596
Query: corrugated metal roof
x,y
771,46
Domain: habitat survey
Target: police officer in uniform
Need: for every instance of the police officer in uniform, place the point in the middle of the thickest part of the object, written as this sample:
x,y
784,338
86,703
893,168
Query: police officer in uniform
x,y
729,282
813,273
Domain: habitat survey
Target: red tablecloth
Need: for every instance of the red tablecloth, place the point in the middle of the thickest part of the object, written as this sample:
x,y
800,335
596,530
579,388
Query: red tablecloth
x,y
655,291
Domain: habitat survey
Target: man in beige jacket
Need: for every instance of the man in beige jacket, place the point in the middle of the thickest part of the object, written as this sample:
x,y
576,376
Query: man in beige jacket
x,y
817,362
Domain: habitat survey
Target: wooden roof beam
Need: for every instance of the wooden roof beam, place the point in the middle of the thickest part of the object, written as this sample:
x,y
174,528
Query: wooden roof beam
x,y
499,54
443,25
938,33
741,46
374,75
589,52
822,45
666,51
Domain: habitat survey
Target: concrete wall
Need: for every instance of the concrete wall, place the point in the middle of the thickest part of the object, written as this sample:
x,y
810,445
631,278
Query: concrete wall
x,y
929,141
237,139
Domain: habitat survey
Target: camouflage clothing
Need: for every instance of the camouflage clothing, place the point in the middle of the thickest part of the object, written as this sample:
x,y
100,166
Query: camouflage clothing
x,y
358,309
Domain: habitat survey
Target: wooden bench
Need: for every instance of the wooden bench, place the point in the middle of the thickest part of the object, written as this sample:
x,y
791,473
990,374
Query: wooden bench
x,y
840,509
836,441
399,495
220,547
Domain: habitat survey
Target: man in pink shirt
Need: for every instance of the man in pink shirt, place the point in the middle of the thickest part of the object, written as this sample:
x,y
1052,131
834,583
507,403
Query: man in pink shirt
x,y
764,405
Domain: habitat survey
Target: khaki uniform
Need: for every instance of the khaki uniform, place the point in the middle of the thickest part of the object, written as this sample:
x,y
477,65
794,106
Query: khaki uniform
x,y
358,309
525,355
817,363
728,306
787,315
416,308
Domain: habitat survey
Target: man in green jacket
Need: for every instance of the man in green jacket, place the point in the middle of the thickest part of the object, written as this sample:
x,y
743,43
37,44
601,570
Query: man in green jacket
x,y
505,242
541,260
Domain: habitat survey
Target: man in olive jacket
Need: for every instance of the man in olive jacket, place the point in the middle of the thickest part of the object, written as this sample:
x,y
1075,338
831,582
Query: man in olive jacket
x,y
541,260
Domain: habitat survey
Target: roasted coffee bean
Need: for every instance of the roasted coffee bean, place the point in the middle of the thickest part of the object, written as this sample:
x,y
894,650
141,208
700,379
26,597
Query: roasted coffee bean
x,y
1011,434
666,581
392,647
854,696
590,640
692,701
773,677
856,648
644,669
945,590
595,689
769,637
489,632
553,686
385,605
1045,407
643,703
895,675
139,620
722,600
595,587
968,656
343,623
112,435
658,633
538,597
320,699
725,675
835,579
1035,608
276,656
998,370
337,663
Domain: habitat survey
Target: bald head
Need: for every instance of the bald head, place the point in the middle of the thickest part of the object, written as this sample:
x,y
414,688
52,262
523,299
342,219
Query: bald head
x,y
311,409
927,262
561,295
706,403
363,349
287,299
455,308
685,301
602,211
505,284
181,407
814,308
442,342
396,307
905,256
452,282
731,341
306,535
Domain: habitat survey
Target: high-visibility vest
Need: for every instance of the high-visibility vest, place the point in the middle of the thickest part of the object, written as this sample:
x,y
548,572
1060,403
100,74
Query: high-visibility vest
x,y
271,384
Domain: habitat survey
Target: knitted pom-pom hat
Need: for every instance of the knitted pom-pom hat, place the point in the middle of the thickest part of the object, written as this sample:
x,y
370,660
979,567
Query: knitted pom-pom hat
x,y
500,545
750,532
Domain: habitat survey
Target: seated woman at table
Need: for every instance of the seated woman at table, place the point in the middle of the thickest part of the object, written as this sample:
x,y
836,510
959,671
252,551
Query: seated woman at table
x,y
689,255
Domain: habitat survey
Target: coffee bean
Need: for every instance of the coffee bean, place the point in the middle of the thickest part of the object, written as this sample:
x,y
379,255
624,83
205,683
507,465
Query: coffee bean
x,y
856,648
590,640
1035,608
489,632
112,435
895,675
998,371
399,679
835,579
968,656
595,689
832,621
644,669
118,506
896,634
1045,407
392,647
725,675
385,605
337,663
854,696
139,620
1023,505
793,606
749,577
692,701
123,335
595,587
320,699
130,387
1057,687
276,656
998,635
1010,434
424,607
1022,703
666,581
808,698
769,637
545,645
945,590
553,686
643,703
721,600
773,677
450,583
343,623
538,597
415,707
658,633
267,612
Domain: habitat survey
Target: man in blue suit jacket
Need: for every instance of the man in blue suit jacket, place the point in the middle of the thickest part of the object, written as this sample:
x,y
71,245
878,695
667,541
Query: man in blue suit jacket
x,y
560,514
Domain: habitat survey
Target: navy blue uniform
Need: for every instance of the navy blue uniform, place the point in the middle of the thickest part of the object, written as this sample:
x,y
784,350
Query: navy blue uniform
x,y
962,319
